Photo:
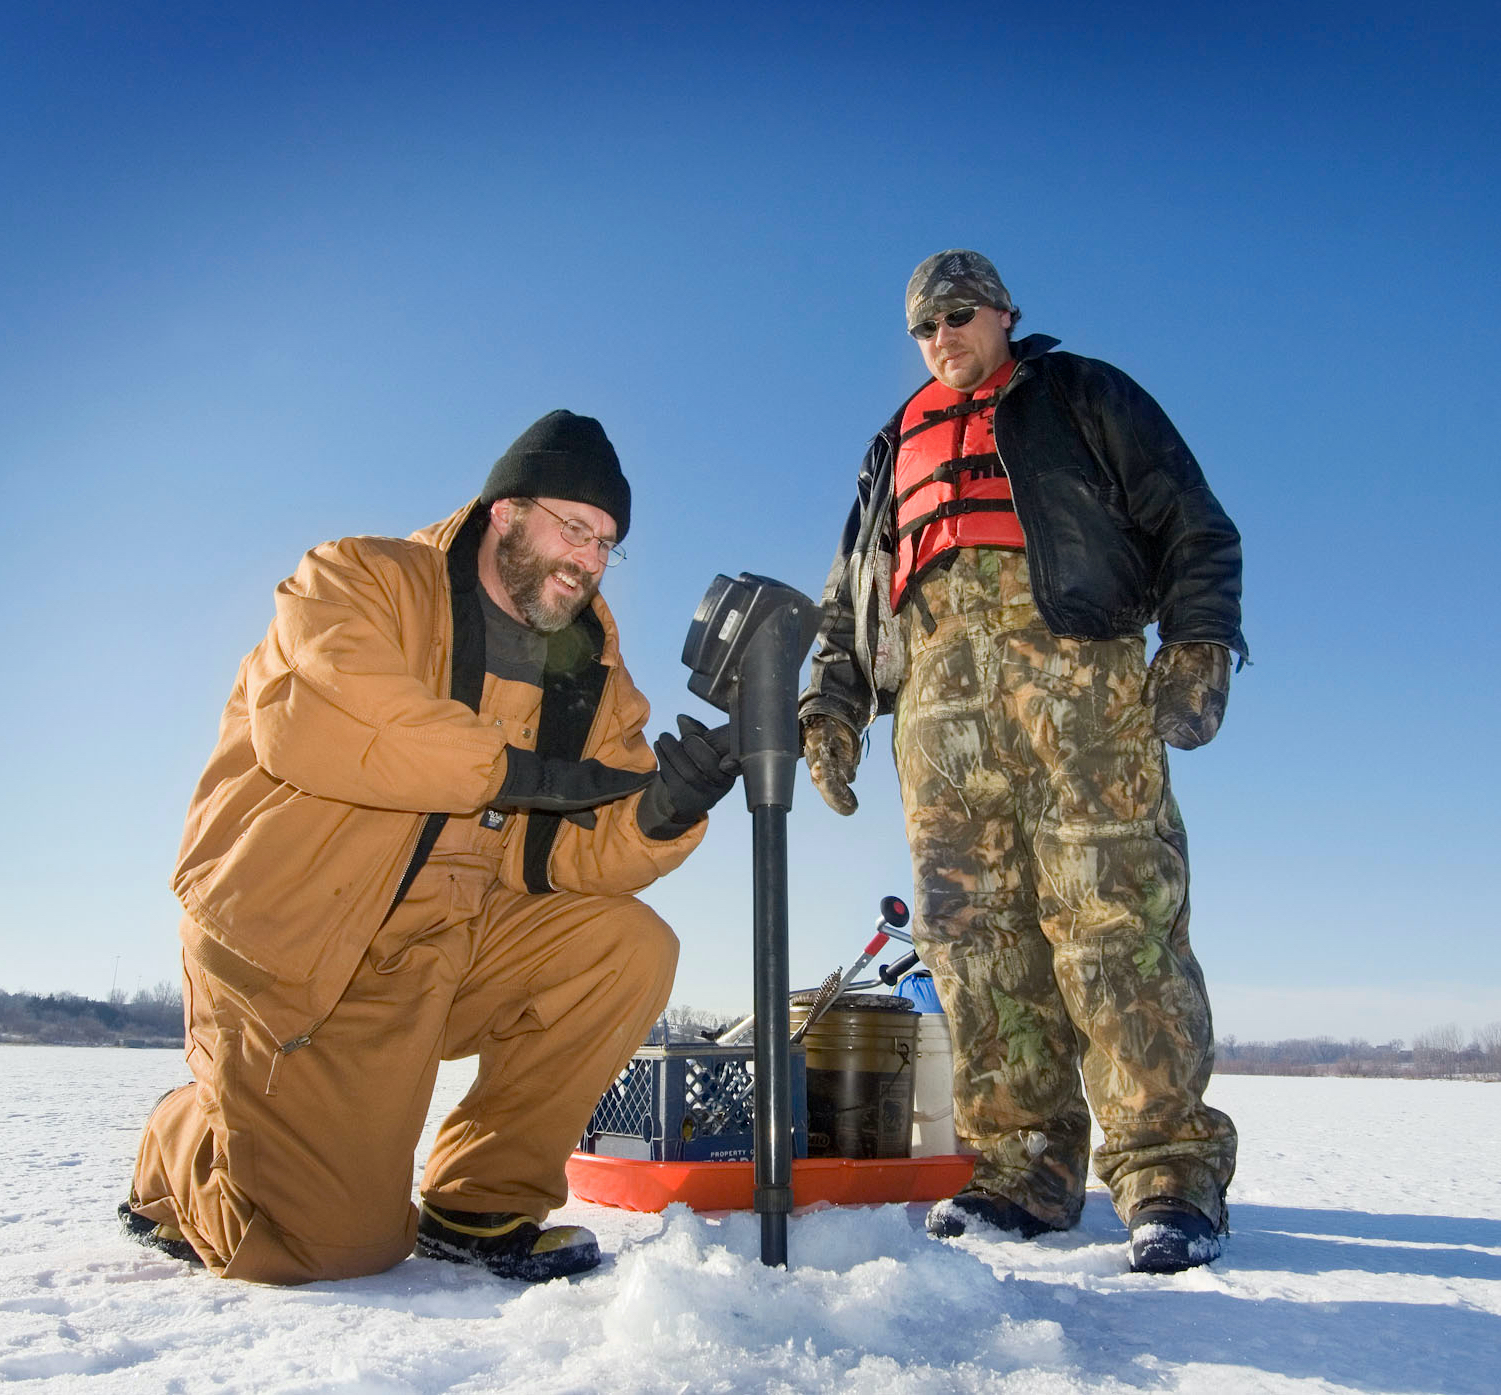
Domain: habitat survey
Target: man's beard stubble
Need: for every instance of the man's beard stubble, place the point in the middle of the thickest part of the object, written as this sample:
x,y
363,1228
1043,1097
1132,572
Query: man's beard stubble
x,y
523,571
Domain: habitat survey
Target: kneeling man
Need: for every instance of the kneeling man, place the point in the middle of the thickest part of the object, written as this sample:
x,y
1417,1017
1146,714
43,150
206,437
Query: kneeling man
x,y
417,839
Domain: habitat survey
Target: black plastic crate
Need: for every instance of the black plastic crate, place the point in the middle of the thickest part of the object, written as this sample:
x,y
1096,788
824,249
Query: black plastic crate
x,y
693,1102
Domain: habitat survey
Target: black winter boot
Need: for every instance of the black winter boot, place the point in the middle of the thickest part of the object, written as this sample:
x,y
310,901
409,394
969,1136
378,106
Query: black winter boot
x,y
506,1243
155,1235
953,1217
1169,1236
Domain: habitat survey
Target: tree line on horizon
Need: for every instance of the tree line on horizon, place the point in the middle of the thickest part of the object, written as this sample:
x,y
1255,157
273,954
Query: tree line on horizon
x,y
1441,1053
150,1017
153,1017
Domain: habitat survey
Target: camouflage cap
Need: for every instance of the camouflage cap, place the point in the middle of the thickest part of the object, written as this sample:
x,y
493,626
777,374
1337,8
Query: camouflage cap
x,y
951,280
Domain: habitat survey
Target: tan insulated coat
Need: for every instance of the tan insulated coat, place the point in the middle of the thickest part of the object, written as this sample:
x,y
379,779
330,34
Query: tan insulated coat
x,y
341,741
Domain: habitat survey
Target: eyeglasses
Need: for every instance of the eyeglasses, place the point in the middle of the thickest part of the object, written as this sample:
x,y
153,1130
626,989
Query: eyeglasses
x,y
955,319
575,534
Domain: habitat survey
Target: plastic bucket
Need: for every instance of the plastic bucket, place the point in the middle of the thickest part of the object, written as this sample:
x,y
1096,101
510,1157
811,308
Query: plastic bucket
x,y
933,1078
861,1055
919,988
933,1089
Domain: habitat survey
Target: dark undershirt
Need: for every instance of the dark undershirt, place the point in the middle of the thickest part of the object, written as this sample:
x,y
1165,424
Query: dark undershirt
x,y
512,650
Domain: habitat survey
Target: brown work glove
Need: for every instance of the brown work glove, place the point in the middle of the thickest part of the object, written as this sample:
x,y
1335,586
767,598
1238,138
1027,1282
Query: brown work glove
x,y
832,751
1187,687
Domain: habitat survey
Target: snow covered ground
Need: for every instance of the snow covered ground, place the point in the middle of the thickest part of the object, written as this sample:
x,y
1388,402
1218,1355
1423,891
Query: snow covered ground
x,y
1365,1256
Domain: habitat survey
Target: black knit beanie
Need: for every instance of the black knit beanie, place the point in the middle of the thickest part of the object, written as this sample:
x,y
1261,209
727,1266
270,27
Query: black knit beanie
x,y
563,456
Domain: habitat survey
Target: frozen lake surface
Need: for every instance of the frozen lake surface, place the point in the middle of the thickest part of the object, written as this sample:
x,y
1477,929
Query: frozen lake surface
x,y
1365,1255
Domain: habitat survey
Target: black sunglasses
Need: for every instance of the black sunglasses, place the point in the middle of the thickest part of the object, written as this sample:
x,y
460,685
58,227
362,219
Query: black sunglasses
x,y
955,319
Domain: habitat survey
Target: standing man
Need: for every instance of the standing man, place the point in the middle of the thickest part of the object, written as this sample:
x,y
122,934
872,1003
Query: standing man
x,y
417,840
1019,520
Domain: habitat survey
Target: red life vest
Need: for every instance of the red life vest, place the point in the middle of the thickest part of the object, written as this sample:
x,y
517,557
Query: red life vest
x,y
951,487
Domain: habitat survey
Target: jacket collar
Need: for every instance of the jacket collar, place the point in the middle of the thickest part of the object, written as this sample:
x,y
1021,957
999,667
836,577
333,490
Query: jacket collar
x,y
1033,346
443,533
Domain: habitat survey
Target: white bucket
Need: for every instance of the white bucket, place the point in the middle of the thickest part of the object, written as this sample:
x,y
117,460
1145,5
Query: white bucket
x,y
933,1089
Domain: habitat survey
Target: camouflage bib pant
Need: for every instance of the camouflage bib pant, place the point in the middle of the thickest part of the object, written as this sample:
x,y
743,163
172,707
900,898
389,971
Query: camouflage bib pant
x,y
1051,879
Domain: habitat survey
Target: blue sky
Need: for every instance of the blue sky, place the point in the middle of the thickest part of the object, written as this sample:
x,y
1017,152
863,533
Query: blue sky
x,y
278,274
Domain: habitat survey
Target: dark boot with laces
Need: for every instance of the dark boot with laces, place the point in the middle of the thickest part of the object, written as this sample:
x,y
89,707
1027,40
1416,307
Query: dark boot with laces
x,y
155,1235
959,1213
1169,1236
507,1243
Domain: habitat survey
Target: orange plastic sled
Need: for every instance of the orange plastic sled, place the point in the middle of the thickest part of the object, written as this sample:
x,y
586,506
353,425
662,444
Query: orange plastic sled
x,y
637,1185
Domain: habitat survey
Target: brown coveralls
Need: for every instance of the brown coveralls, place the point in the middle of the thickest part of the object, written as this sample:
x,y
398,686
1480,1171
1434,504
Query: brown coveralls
x,y
290,1157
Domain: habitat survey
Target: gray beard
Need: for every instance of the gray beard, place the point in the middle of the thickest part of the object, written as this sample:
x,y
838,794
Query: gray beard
x,y
523,571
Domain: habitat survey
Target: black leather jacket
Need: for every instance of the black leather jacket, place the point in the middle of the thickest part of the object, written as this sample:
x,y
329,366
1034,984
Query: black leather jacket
x,y
1121,530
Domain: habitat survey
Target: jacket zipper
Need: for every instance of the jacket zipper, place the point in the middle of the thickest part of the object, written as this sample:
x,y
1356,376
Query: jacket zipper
x,y
287,1048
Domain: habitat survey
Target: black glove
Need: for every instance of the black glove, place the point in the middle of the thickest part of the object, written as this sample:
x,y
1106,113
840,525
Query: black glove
x,y
832,752
1187,687
556,786
694,772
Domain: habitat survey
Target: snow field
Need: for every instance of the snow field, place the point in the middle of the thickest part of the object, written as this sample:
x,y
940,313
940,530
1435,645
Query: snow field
x,y
1365,1256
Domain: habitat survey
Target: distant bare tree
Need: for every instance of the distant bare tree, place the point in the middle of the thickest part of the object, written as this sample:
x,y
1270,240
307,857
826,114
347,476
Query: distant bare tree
x,y
1436,1052
1488,1045
165,995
